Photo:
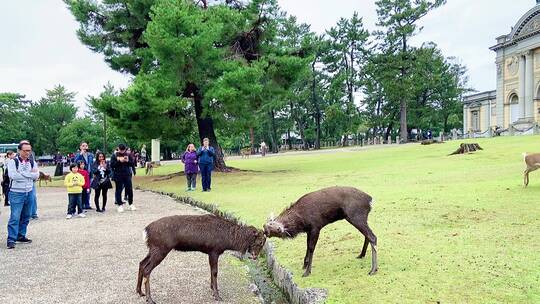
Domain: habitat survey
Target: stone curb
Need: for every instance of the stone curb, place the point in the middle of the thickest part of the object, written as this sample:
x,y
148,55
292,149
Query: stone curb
x,y
281,276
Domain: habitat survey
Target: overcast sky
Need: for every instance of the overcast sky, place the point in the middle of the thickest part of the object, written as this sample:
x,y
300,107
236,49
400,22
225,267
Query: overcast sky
x,y
39,48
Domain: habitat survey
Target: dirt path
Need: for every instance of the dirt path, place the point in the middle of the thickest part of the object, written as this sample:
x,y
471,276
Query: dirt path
x,y
95,259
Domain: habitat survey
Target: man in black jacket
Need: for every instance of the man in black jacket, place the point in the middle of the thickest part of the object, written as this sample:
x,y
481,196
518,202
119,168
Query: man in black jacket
x,y
123,167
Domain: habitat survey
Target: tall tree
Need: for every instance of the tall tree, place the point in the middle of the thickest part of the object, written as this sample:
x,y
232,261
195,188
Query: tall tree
x,y
399,20
48,116
13,112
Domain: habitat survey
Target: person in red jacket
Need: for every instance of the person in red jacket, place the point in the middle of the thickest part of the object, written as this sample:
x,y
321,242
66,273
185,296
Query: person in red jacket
x,y
86,187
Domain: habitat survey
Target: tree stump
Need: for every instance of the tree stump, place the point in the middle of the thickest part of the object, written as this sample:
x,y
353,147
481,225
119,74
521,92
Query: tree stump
x,y
467,148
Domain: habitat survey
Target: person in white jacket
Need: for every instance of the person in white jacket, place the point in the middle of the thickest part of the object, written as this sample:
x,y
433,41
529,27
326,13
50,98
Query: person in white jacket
x,y
23,172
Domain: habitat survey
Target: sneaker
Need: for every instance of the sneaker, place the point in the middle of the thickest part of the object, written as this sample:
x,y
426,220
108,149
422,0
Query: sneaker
x,y
81,215
120,209
24,240
103,209
132,208
10,245
69,216
35,217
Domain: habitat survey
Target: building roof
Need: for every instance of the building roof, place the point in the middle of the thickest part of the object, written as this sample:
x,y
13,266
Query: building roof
x,y
479,97
526,27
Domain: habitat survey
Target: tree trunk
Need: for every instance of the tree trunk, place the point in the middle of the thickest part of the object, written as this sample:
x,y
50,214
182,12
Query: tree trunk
x,y
252,140
289,142
205,125
273,132
403,103
317,110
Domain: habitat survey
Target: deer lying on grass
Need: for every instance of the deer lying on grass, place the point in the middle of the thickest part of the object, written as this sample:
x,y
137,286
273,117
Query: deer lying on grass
x,y
211,234
317,209
533,163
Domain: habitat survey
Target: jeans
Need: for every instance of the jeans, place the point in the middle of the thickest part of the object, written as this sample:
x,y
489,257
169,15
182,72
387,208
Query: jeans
x,y
85,198
97,193
206,175
33,208
121,183
21,202
191,180
74,199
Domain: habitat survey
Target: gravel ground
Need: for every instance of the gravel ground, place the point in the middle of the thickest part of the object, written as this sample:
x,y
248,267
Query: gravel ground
x,y
95,259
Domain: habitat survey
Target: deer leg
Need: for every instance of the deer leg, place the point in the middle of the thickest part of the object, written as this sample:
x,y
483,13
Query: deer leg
x,y
213,259
361,224
156,256
313,237
526,177
140,276
364,248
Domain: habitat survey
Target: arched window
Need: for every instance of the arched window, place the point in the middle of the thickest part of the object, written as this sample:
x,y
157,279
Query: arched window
x,y
513,100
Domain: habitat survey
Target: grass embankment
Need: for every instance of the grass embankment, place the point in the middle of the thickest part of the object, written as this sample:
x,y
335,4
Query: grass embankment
x,y
451,229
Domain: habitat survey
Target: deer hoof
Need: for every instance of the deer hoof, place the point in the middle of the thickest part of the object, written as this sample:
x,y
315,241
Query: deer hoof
x,y
307,273
217,297
361,256
373,271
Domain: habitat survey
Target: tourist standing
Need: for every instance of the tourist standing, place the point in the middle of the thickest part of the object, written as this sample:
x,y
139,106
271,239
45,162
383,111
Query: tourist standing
x,y
33,207
88,158
85,192
205,155
189,158
74,182
122,165
23,172
5,178
101,182
263,148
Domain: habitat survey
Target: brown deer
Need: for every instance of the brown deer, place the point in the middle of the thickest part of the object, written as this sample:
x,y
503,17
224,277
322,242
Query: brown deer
x,y
210,234
317,209
44,177
532,161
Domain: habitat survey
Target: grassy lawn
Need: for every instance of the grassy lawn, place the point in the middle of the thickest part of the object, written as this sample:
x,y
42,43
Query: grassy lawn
x,y
451,229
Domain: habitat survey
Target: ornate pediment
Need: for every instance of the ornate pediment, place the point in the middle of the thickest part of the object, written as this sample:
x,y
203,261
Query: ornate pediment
x,y
531,26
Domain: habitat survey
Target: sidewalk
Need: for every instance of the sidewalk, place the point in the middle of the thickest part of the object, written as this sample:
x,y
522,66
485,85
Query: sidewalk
x,y
96,259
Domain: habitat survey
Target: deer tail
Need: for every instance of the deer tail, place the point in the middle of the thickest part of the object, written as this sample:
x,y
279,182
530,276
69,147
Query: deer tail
x,y
524,155
145,236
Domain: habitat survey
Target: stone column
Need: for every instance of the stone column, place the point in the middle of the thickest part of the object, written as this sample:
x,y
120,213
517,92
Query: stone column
x,y
155,151
522,80
529,85
465,120
500,92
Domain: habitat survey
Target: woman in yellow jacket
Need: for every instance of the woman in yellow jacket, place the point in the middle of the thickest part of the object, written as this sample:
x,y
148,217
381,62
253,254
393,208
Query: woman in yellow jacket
x,y
74,182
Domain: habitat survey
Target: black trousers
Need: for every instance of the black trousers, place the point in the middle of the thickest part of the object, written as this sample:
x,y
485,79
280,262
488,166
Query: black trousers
x,y
102,191
191,180
206,175
74,200
123,183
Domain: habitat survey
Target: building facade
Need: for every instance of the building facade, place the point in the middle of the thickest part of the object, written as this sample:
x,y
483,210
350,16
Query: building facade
x,y
515,105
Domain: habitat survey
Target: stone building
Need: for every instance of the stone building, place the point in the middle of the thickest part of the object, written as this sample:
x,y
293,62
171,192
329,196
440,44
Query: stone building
x,y
515,105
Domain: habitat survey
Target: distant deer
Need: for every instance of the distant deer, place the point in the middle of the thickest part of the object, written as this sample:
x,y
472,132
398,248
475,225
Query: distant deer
x,y
532,161
150,168
210,234
246,152
317,209
44,177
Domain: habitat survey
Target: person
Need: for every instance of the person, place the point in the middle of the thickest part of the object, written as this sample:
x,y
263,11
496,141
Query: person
x,y
88,158
143,156
5,178
59,171
33,207
205,158
85,192
23,172
122,165
189,158
101,182
263,148
74,182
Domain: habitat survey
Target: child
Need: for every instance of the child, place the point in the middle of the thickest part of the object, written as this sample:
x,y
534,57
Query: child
x,y
189,158
74,182
86,187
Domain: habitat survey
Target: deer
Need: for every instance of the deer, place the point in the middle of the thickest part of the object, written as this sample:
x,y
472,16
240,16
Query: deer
x,y
210,233
44,177
532,161
317,209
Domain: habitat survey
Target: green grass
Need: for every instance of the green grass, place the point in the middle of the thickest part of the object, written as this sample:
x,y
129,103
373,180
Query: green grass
x,y
451,229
